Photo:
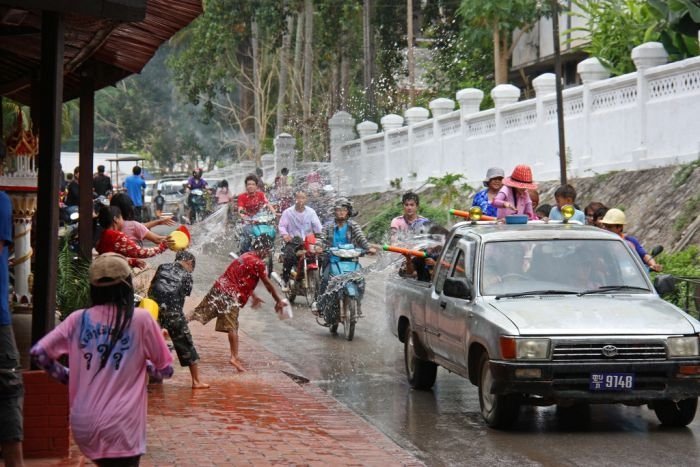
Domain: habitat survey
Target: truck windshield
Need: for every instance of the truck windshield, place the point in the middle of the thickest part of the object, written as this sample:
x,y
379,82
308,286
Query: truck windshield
x,y
516,267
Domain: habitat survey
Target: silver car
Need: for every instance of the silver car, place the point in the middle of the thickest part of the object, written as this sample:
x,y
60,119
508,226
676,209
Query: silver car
x,y
547,314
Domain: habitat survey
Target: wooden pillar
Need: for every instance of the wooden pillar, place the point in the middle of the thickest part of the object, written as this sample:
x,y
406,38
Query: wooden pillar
x,y
52,41
86,137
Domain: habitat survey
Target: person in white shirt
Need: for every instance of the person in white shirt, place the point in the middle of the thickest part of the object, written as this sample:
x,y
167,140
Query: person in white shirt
x,y
295,224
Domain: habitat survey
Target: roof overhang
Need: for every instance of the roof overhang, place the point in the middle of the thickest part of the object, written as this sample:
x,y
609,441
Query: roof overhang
x,y
107,39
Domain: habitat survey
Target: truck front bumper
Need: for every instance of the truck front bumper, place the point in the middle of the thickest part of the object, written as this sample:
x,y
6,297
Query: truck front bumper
x,y
570,381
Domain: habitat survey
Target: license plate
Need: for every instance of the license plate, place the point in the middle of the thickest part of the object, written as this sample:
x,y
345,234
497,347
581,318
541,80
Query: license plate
x,y
611,381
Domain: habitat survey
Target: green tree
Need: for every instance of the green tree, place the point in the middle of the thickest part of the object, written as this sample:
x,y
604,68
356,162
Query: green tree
x,y
507,21
462,58
614,28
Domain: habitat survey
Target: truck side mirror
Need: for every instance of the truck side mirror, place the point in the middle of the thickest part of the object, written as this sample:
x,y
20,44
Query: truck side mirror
x,y
457,287
664,283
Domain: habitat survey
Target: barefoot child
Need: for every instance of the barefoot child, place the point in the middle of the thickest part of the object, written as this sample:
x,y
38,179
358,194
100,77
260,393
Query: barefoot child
x,y
231,291
169,287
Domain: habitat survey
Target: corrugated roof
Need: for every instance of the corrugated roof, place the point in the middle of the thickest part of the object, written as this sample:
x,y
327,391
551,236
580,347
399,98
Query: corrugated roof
x,y
112,49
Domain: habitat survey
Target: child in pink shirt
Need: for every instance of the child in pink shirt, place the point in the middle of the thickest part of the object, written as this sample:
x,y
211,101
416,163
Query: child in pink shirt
x,y
110,347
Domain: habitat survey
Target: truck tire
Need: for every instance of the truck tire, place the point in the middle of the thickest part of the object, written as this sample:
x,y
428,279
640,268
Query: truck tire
x,y
498,411
420,373
676,414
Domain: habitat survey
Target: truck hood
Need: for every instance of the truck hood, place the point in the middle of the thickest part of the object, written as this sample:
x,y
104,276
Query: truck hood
x,y
595,315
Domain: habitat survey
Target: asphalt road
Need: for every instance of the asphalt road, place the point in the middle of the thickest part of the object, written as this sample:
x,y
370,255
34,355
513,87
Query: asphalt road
x,y
443,426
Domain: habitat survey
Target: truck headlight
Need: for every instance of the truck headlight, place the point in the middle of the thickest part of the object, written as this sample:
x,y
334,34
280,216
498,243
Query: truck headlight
x,y
524,348
683,346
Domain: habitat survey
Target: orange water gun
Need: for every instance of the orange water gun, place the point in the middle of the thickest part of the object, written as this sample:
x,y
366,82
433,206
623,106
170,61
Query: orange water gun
x,y
404,251
465,214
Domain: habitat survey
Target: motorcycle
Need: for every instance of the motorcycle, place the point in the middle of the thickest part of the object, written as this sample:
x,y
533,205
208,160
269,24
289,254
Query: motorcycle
x,y
345,288
261,223
197,205
305,276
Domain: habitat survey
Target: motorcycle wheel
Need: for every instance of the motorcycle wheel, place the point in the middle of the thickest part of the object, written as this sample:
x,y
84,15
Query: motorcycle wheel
x,y
314,281
334,328
350,305
270,262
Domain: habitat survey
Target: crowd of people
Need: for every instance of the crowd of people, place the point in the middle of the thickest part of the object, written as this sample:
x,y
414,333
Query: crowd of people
x,y
112,345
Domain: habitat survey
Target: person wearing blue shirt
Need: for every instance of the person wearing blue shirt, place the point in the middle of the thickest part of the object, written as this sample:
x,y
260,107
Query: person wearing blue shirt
x,y
11,387
135,184
484,198
566,194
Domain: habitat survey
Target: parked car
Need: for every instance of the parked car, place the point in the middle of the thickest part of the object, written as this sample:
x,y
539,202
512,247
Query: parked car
x,y
543,314
173,190
149,194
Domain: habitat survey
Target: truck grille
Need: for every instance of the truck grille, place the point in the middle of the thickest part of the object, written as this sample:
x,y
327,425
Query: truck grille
x,y
609,352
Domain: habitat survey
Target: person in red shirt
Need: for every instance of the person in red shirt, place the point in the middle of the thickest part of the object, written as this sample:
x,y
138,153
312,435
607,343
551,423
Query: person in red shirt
x,y
232,290
113,240
249,204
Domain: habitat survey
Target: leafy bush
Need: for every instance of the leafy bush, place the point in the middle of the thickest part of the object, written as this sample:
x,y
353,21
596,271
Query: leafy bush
x,y
685,263
72,285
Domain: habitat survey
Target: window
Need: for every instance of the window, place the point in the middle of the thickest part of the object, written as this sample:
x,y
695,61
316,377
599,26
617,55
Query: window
x,y
445,266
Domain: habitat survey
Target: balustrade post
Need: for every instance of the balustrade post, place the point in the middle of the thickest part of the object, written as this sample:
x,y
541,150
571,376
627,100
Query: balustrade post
x,y
590,70
544,85
502,95
645,56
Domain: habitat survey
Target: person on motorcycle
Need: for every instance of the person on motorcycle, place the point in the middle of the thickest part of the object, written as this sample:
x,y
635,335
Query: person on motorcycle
x,y
295,224
195,182
340,231
250,203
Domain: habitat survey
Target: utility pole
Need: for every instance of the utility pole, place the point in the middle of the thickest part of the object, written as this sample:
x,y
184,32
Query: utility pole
x,y
368,54
560,99
411,58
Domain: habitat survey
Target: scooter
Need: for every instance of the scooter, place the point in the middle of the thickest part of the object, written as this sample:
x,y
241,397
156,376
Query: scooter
x,y
346,287
305,277
261,223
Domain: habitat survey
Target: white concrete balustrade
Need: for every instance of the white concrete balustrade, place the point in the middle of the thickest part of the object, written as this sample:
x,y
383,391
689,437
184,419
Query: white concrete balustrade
x,y
640,120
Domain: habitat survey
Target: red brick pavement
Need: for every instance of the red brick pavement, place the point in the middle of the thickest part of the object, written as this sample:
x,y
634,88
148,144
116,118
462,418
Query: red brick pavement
x,y
260,417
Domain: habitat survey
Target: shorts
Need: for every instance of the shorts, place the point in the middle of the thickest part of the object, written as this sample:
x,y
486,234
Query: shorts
x,y
219,305
11,388
176,325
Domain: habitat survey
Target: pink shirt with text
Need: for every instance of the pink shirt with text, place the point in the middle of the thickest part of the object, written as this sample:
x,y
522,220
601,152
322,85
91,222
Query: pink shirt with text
x,y
108,408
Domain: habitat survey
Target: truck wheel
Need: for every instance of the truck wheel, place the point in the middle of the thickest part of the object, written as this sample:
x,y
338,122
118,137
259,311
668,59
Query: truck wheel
x,y
678,414
420,373
498,411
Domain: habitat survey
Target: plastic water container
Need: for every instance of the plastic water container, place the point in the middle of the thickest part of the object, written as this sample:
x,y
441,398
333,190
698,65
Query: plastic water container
x,y
287,312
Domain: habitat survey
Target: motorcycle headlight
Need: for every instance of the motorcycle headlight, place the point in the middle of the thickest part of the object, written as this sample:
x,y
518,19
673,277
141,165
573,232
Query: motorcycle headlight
x,y
683,346
524,348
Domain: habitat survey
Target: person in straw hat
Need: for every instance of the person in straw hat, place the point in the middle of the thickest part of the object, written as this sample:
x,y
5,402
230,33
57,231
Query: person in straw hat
x,y
514,198
614,221
111,346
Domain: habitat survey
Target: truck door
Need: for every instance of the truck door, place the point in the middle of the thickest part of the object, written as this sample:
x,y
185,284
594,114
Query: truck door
x,y
455,307
432,307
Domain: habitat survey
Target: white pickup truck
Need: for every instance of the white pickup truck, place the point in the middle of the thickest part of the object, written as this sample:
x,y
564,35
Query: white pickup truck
x,y
547,314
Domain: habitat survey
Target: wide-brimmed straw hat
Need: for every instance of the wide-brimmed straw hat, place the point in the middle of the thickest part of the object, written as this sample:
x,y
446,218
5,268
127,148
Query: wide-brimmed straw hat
x,y
520,178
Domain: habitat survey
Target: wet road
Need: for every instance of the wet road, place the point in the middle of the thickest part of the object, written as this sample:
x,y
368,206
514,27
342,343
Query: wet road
x,y
443,426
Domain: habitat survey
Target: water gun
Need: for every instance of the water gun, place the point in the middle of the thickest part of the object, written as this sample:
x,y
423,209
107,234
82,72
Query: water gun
x,y
465,214
404,251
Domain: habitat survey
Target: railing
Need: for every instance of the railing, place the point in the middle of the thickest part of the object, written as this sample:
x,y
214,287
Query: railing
x,y
631,122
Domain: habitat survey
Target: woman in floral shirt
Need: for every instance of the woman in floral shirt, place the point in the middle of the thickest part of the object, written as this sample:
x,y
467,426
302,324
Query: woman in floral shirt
x,y
113,240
